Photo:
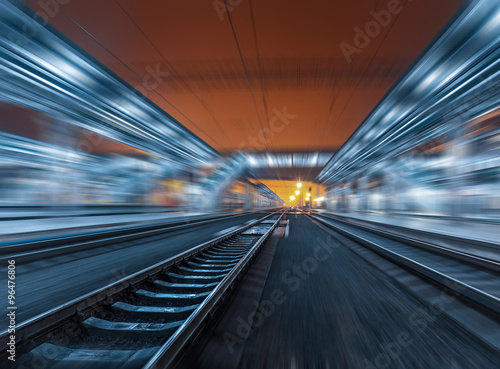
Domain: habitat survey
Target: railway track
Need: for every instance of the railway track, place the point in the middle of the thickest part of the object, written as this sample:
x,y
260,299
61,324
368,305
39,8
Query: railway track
x,y
42,248
445,244
475,278
145,320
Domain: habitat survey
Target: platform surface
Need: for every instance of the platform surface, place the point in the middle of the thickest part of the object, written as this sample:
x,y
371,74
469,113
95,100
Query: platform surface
x,y
462,229
324,306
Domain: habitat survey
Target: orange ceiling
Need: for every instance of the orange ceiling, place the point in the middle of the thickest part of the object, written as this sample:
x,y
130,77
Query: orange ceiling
x,y
290,59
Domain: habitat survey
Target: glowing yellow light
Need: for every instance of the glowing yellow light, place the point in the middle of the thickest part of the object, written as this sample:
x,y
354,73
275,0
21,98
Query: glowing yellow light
x,y
292,198
299,185
308,195
297,192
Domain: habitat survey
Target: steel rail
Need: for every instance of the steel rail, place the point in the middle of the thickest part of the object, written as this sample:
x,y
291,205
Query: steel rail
x,y
371,226
33,250
172,350
480,297
54,317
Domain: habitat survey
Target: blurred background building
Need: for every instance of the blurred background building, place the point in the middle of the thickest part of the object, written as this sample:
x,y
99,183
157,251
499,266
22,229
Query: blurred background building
x,y
82,123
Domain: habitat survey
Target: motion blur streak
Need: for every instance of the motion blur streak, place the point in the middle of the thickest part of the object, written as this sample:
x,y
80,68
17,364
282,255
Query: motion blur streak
x,y
44,71
432,144
250,184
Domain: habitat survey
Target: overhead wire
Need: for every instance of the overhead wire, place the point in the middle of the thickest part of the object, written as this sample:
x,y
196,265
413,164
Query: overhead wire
x,y
134,72
352,73
367,65
245,70
169,64
263,87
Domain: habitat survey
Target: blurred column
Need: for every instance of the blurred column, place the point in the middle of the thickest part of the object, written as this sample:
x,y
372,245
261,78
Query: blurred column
x,y
60,183
388,193
457,152
363,188
345,198
248,196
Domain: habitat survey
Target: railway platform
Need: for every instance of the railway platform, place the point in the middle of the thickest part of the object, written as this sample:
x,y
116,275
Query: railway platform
x,y
321,305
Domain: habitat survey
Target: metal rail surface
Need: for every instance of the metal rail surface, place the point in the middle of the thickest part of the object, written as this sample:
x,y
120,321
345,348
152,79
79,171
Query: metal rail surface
x,y
435,242
32,250
438,243
468,282
147,318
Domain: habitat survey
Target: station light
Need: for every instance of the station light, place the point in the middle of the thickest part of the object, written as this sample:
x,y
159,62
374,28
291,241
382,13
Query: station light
x,y
299,185
297,192
308,195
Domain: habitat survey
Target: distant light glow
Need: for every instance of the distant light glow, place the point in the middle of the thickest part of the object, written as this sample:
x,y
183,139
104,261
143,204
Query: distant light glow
x,y
252,161
299,185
